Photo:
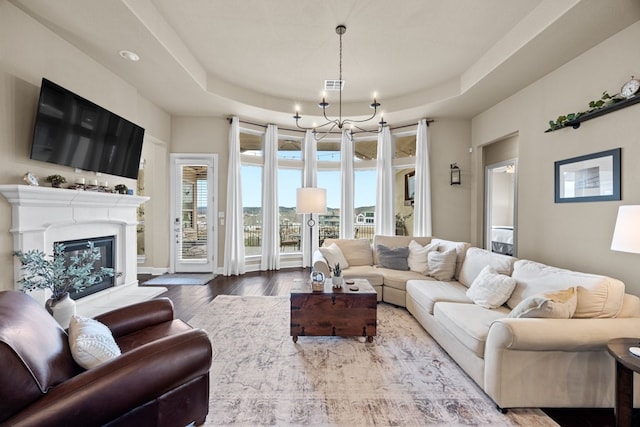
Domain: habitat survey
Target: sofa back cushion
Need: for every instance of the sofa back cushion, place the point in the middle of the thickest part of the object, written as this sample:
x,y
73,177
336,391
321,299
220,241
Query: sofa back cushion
x,y
34,352
459,247
396,242
476,259
598,296
356,251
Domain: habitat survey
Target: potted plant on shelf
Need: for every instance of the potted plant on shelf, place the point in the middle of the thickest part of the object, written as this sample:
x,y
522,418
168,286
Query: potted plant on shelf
x,y
56,180
121,188
336,279
61,276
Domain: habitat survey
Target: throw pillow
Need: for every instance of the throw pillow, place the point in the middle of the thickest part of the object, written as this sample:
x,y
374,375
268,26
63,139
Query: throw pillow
x,y
490,289
550,305
442,265
393,258
91,342
334,255
418,256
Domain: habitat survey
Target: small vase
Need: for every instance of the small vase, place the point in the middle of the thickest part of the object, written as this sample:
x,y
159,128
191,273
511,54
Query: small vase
x,y
62,310
337,281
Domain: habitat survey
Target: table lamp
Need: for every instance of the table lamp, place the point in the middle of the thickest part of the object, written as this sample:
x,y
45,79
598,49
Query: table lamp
x,y
626,235
310,200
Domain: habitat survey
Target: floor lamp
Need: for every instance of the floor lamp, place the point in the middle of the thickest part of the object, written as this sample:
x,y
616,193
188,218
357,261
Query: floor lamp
x,y
626,235
310,200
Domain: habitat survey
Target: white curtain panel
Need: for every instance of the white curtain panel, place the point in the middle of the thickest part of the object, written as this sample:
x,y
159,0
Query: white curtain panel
x,y
385,219
422,198
310,180
346,175
234,227
270,215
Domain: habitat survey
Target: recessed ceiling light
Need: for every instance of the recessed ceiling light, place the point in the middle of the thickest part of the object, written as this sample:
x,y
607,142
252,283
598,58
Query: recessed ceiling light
x,y
126,54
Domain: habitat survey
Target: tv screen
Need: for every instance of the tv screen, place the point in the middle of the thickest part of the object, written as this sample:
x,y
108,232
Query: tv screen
x,y
73,131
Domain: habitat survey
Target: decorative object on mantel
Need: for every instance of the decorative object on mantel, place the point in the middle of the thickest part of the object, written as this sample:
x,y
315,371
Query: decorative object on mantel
x,y
121,188
56,180
336,279
30,179
40,272
606,104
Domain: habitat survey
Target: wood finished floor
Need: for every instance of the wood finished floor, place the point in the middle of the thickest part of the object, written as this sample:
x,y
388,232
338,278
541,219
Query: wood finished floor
x,y
187,299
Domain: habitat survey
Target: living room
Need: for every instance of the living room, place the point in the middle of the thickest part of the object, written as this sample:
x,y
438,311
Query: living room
x,y
576,50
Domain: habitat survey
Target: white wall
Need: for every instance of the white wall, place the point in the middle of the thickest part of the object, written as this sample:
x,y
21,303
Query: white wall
x,y
570,235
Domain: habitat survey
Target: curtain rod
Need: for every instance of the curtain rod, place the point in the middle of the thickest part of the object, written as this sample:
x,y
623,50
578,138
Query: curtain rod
x,y
333,133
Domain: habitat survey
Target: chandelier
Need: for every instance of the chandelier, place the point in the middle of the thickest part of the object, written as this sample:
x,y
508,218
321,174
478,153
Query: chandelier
x,y
321,131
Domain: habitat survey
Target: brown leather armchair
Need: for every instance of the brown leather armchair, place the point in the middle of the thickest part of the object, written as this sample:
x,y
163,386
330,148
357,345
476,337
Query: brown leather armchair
x,y
161,378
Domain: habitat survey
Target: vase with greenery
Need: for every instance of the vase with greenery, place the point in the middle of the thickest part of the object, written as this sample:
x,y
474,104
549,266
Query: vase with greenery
x,y
121,188
56,180
59,275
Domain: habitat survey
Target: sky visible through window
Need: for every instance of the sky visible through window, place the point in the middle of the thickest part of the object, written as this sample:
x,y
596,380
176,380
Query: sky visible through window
x,y
252,192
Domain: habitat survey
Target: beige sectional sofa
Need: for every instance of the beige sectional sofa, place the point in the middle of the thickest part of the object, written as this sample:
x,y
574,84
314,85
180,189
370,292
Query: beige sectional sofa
x,y
537,360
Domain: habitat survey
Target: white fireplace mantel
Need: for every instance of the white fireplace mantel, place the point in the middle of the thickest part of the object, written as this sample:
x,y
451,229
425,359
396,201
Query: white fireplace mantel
x,y
42,216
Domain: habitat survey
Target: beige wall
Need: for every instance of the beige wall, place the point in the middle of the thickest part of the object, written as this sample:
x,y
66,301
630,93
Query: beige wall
x,y
39,53
569,235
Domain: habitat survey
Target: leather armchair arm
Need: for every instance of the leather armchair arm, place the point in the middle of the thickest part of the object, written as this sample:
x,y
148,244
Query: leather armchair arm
x,y
104,393
129,319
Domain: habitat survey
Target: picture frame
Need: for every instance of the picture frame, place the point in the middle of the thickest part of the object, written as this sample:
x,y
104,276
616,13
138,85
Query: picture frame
x,y
409,186
589,178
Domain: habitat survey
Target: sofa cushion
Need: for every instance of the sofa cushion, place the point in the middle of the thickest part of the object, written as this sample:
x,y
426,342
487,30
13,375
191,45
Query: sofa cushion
x,y
459,247
598,296
427,292
395,242
418,256
491,289
469,323
333,254
549,305
442,265
356,251
393,258
397,279
476,259
364,272
91,342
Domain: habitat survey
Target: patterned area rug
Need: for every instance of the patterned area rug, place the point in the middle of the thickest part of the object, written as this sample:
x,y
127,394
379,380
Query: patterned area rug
x,y
260,377
181,279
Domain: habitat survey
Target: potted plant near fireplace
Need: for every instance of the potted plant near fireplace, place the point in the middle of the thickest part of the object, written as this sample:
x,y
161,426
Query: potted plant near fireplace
x,y
61,276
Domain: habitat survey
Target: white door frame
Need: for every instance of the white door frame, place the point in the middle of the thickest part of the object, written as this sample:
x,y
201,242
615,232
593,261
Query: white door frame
x,y
175,186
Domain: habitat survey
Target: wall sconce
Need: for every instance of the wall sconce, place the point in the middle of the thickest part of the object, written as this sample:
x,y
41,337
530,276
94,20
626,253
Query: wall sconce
x,y
455,174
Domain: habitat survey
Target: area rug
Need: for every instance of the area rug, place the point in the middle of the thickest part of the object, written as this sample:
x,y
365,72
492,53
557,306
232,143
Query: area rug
x,y
260,377
181,279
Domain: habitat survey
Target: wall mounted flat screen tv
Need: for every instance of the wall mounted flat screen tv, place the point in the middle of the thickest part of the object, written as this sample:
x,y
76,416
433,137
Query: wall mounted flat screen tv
x,y
73,131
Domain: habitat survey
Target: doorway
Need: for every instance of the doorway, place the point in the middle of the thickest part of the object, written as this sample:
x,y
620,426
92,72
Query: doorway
x,y
501,206
193,206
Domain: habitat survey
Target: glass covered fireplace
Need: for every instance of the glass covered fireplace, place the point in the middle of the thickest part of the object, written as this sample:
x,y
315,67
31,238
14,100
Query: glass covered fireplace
x,y
106,246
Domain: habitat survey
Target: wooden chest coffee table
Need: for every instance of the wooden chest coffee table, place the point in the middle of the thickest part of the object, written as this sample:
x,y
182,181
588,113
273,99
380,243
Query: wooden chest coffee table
x,y
333,312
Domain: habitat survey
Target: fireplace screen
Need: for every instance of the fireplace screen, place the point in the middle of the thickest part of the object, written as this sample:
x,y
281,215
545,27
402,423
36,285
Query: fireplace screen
x,y
107,254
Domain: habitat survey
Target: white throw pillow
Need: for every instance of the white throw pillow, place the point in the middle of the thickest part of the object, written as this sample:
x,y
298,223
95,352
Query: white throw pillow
x,y
550,305
491,289
334,255
418,256
442,265
91,342
476,259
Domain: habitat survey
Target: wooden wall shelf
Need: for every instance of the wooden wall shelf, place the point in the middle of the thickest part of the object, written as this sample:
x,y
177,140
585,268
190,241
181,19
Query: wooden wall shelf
x,y
597,113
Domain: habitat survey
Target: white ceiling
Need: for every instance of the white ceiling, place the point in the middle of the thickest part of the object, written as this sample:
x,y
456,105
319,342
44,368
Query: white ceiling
x,y
259,58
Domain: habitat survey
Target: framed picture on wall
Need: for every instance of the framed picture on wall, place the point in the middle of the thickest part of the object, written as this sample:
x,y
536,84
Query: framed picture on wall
x,y
409,186
590,178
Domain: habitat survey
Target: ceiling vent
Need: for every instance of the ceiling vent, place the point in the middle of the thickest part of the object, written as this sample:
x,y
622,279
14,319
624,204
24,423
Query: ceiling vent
x,y
334,85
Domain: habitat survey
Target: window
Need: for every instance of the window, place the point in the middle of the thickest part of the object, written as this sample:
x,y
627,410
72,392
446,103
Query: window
x,y
364,202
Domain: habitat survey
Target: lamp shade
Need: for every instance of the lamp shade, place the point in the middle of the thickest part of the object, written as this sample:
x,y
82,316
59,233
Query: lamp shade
x,y
626,235
311,200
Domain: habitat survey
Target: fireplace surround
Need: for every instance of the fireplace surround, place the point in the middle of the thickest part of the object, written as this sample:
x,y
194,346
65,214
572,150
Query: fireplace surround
x,y
42,216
